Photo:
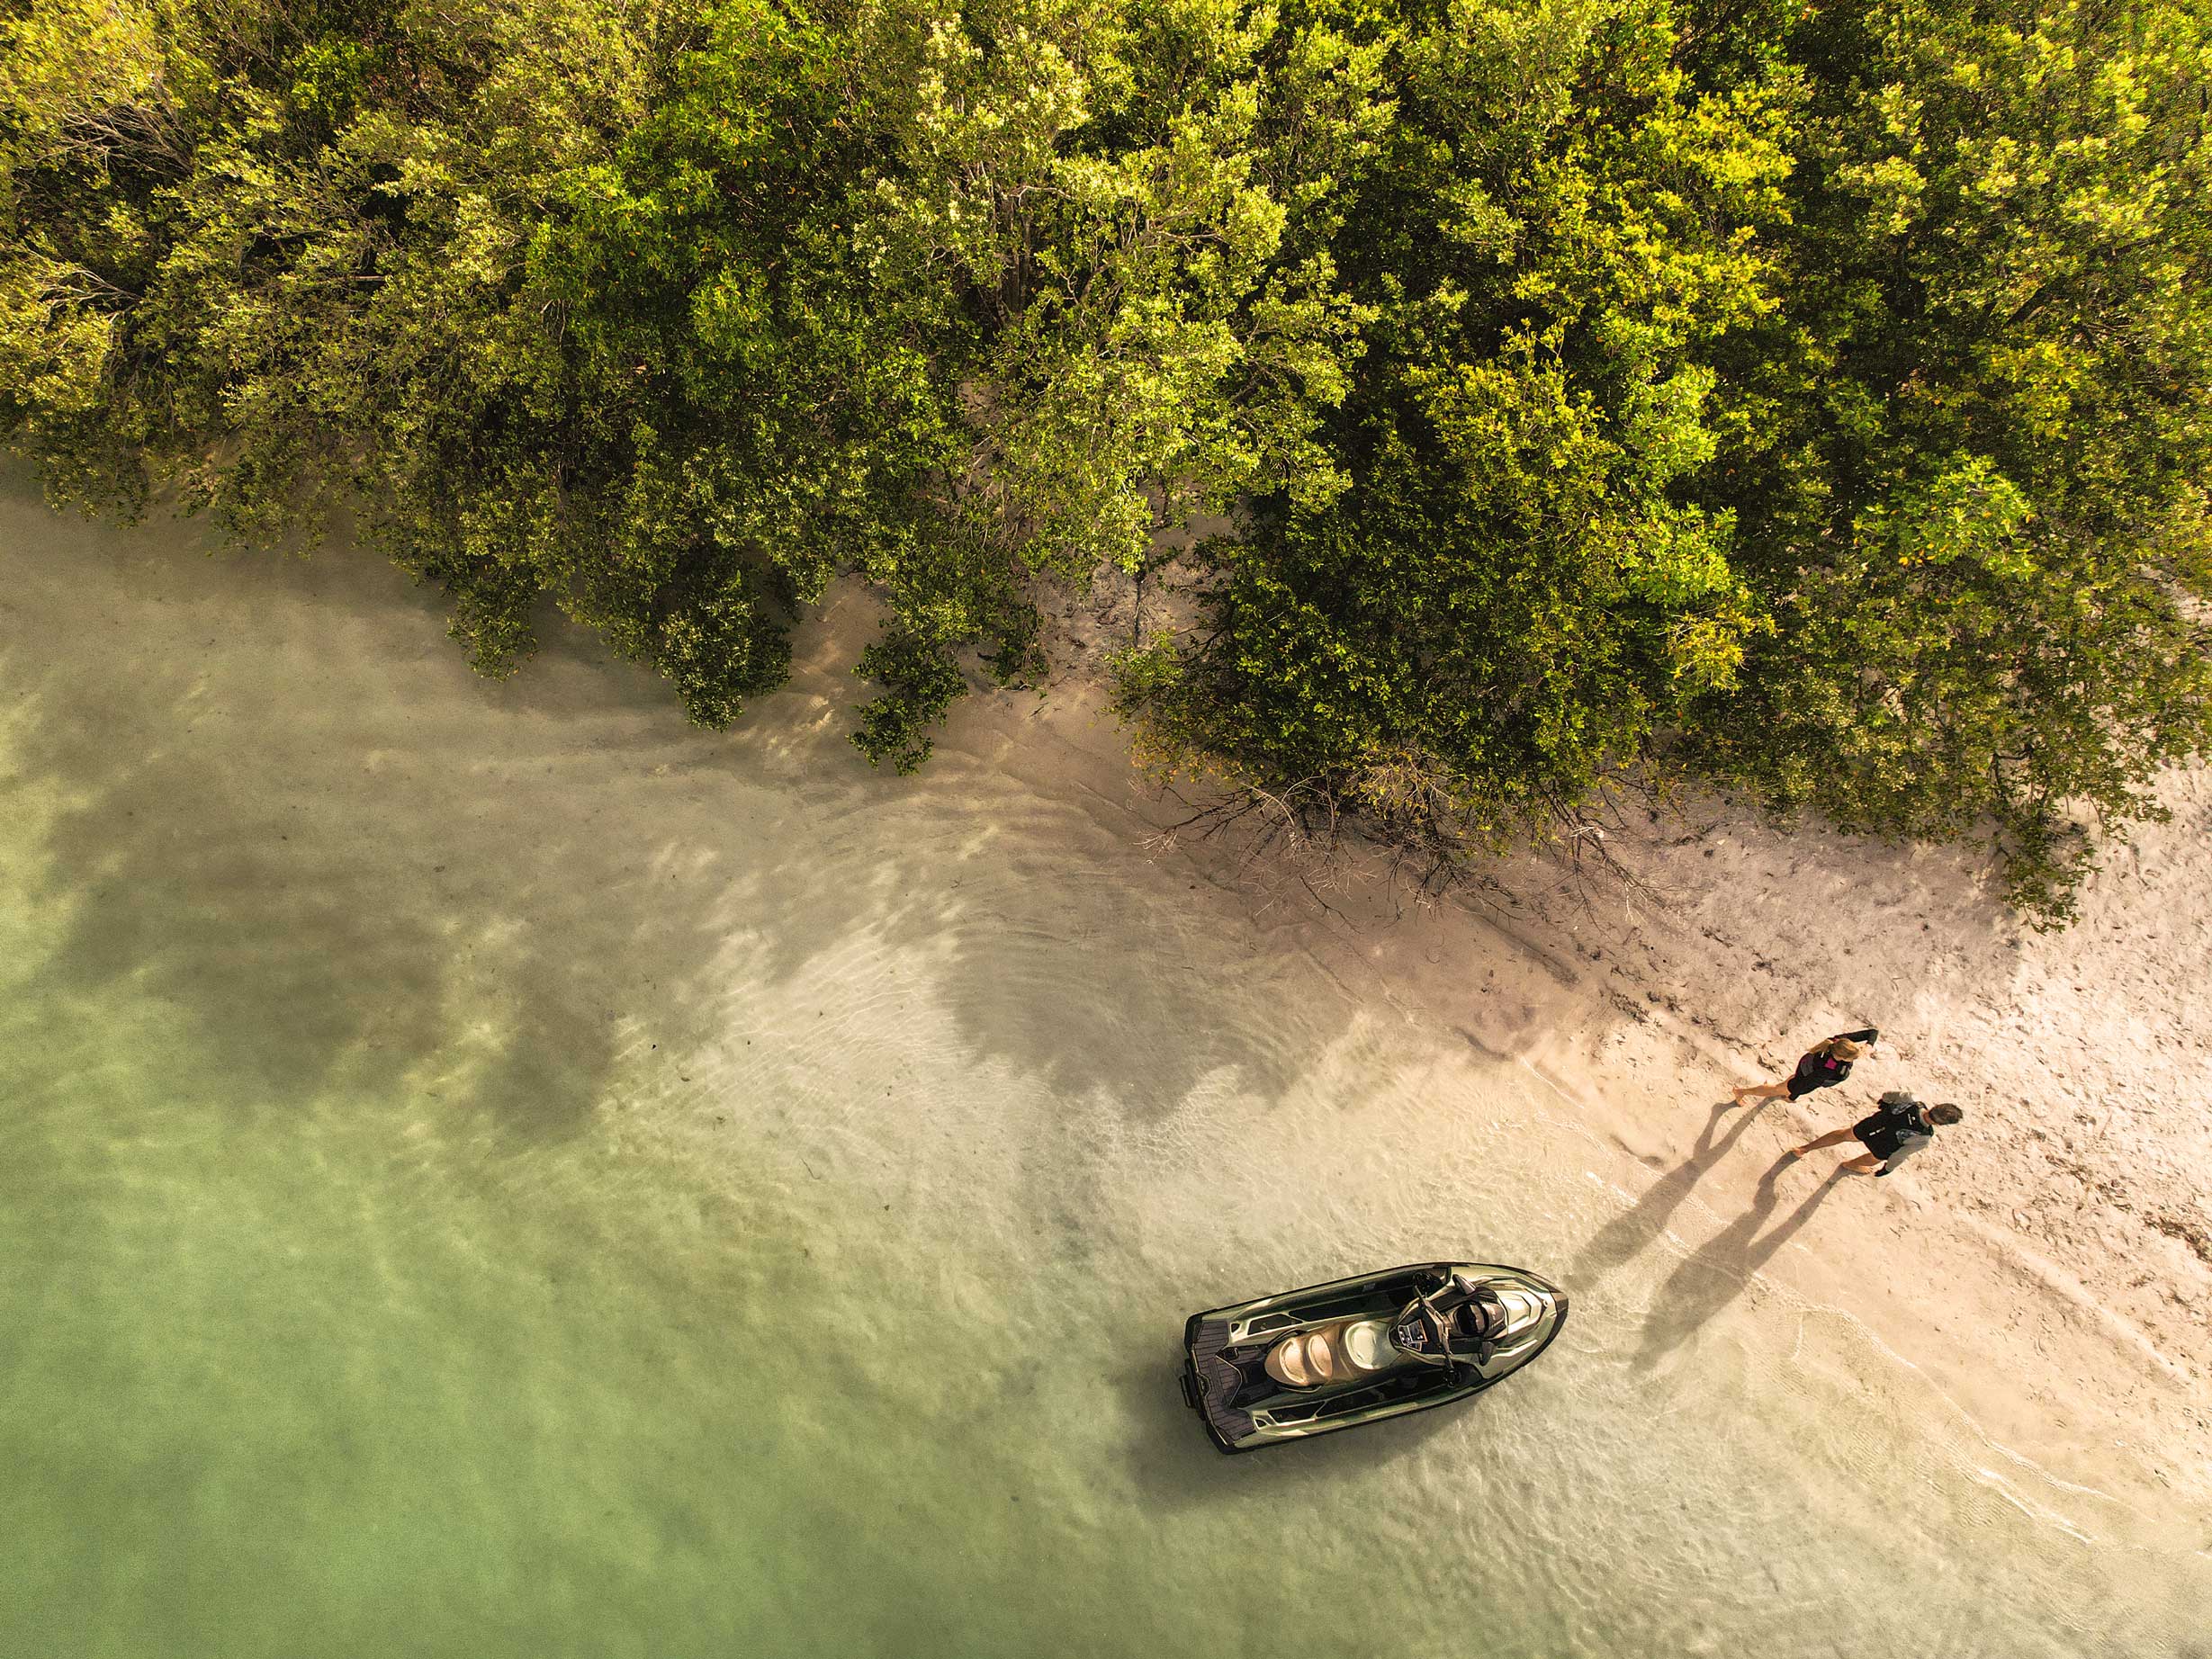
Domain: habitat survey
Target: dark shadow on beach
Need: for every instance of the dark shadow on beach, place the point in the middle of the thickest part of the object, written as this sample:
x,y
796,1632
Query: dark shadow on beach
x,y
1631,1231
297,831
1710,1277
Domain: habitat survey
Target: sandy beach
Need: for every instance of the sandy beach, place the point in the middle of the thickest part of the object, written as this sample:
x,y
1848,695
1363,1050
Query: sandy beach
x,y
455,1119
2049,1262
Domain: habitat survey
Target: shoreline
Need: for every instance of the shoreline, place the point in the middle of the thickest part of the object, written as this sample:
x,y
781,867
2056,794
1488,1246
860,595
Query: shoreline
x,y
2019,1265
1635,1011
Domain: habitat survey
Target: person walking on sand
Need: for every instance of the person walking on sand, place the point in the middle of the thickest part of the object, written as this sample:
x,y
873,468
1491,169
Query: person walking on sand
x,y
1891,1134
1823,1066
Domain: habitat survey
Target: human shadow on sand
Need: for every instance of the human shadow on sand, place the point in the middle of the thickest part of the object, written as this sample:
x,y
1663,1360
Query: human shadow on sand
x,y
1711,1277
1631,1231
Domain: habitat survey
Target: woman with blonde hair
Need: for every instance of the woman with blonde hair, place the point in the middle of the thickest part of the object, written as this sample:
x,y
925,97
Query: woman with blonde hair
x,y
1823,1066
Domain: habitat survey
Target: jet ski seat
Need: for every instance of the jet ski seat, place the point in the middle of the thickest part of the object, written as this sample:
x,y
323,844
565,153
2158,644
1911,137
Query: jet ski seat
x,y
1345,1350
1341,1351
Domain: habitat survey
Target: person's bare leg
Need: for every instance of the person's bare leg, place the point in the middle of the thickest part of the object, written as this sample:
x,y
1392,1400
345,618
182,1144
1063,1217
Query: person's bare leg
x,y
1834,1137
1760,1091
1864,1164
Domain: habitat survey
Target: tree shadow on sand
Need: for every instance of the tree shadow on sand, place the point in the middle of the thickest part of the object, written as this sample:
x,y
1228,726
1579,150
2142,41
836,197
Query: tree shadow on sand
x,y
291,822
1710,1277
292,831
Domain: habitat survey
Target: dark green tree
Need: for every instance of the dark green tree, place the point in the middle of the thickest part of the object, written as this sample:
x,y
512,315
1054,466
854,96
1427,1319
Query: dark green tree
x,y
672,312
1557,227
1812,397
1968,456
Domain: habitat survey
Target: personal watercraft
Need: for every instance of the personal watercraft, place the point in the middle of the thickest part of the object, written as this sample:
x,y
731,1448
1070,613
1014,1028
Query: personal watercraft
x,y
1356,1351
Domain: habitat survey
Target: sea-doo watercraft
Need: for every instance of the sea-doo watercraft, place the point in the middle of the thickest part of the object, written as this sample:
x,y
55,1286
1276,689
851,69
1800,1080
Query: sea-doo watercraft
x,y
1356,1351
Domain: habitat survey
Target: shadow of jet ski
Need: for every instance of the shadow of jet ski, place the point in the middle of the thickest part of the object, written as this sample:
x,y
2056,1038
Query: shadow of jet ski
x,y
1356,1351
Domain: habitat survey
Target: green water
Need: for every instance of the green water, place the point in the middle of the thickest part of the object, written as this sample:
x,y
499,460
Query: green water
x,y
486,1170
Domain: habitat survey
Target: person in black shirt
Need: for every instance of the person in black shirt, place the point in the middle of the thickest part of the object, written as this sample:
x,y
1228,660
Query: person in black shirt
x,y
1823,1066
1891,1134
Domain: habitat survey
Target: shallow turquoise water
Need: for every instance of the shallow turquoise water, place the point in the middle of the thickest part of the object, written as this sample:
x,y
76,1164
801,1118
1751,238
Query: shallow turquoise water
x,y
485,1169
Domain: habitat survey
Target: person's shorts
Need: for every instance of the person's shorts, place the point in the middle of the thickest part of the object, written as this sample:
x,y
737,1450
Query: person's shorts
x,y
1877,1134
1801,1085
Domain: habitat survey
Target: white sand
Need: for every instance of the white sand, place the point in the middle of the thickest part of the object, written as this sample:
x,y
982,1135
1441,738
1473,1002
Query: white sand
x,y
2048,1262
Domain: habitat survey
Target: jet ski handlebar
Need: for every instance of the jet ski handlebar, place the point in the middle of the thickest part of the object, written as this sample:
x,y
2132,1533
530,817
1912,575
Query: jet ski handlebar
x,y
1439,1321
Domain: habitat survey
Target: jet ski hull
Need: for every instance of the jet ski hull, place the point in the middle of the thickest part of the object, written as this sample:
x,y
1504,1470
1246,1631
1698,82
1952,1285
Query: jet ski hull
x,y
1226,1380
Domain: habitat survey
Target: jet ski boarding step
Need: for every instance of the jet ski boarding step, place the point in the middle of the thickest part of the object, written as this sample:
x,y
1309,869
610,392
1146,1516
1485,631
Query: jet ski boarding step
x,y
1212,1381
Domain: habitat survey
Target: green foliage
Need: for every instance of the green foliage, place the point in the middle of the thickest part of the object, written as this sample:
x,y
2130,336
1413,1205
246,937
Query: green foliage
x,y
924,683
1514,594
674,311
1815,396
1969,456
1812,396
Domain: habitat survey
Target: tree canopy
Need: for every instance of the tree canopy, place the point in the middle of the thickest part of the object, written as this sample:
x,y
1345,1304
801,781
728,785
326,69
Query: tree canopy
x,y
1809,398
